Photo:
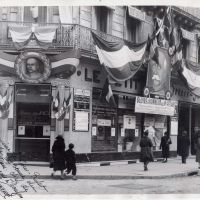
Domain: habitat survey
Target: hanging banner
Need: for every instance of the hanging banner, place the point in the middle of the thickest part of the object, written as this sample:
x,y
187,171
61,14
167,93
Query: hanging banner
x,y
191,74
159,73
155,106
119,68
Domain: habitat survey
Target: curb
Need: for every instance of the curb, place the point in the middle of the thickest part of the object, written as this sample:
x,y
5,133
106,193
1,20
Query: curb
x,y
111,177
92,164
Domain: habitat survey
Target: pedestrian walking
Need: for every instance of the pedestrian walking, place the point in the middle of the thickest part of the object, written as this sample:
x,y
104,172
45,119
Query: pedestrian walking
x,y
146,154
58,150
197,147
183,146
164,145
70,158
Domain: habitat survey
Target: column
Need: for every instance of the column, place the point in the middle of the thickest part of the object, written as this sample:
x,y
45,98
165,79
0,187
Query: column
x,y
60,124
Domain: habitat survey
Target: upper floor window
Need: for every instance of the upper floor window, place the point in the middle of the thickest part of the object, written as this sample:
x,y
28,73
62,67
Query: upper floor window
x,y
103,16
35,14
132,28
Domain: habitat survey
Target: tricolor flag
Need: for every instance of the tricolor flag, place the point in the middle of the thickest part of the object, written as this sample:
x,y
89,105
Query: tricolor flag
x,y
191,74
56,102
60,115
120,59
108,94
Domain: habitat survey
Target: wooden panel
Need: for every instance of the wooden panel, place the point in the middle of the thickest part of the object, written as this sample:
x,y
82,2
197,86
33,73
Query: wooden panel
x,y
117,18
117,27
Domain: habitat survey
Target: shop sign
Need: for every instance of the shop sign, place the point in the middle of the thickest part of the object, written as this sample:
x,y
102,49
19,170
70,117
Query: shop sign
x,y
155,106
136,13
104,122
129,121
81,92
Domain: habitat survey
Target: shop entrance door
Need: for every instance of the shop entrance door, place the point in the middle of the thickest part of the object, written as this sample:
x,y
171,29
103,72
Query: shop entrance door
x,y
33,120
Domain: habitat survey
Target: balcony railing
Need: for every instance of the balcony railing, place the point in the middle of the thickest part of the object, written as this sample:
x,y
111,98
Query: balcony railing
x,y
67,36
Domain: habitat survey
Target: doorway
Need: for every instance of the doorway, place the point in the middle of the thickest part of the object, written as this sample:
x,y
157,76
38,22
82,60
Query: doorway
x,y
33,121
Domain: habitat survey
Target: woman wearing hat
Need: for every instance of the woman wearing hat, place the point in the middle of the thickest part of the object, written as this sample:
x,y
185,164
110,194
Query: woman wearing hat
x,y
146,155
58,150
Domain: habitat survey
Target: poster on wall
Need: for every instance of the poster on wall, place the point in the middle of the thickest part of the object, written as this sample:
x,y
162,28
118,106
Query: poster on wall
x,y
112,131
21,130
46,131
94,130
174,126
160,121
129,122
81,121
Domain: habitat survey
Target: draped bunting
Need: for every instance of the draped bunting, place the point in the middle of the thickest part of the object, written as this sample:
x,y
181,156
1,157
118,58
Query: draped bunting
x,y
191,74
21,35
120,59
5,101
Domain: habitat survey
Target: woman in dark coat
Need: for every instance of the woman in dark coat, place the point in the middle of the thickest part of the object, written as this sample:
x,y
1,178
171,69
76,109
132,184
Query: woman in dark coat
x,y
58,150
146,154
183,146
164,145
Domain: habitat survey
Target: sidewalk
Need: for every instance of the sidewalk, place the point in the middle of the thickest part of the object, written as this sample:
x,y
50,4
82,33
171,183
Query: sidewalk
x,y
120,170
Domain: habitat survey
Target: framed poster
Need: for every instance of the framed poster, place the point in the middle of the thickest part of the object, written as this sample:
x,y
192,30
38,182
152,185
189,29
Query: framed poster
x,y
129,122
81,121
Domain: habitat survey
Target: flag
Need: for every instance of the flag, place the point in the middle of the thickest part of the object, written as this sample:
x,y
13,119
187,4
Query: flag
x,y
191,74
60,115
108,94
120,59
56,102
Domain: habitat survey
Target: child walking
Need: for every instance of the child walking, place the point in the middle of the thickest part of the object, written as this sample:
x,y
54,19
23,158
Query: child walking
x,y
71,161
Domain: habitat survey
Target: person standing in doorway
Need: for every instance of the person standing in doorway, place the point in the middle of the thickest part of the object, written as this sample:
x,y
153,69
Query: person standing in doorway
x,y
197,147
164,145
146,154
58,150
183,146
70,158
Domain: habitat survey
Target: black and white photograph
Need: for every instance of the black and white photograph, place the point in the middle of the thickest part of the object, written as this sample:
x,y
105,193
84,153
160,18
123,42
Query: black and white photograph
x,y
100,100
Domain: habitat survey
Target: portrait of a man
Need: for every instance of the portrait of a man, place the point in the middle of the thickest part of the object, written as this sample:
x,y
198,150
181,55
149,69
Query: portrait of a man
x,y
34,69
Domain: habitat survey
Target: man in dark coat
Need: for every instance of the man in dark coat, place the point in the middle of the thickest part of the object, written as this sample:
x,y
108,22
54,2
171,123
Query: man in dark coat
x,y
71,161
183,146
58,150
164,145
146,154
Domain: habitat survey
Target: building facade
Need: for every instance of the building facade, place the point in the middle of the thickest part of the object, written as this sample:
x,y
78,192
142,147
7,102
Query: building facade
x,y
60,40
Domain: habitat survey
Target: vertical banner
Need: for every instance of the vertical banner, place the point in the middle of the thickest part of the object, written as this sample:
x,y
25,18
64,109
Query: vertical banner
x,y
159,73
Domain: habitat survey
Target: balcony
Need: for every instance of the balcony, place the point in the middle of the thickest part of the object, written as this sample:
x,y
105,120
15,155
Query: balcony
x,y
67,36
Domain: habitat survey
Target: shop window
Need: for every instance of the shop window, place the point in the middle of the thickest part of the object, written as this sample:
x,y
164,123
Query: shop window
x,y
132,28
103,15
42,14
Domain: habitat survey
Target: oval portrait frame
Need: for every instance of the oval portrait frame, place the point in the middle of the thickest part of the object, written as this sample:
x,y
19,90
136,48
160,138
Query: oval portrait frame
x,y
20,66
